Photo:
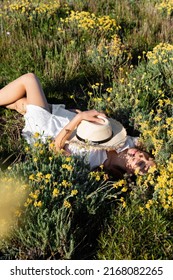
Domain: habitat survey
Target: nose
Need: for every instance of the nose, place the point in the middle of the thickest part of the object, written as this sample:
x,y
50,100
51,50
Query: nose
x,y
141,161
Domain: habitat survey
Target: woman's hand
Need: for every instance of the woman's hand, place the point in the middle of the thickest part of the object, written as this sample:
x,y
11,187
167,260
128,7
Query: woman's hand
x,y
92,116
65,133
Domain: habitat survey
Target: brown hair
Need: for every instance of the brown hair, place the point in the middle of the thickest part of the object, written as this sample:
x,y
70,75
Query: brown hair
x,y
116,172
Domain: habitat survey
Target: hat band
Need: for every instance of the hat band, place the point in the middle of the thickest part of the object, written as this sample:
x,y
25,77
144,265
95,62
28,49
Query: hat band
x,y
95,142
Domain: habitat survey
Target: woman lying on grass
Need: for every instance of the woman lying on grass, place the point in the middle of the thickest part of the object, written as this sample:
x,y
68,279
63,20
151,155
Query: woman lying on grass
x,y
103,141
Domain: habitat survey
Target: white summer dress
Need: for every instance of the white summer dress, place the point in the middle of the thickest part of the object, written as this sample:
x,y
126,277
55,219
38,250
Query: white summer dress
x,y
47,124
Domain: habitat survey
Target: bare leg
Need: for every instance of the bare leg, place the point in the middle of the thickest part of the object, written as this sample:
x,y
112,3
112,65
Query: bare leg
x,y
24,90
19,105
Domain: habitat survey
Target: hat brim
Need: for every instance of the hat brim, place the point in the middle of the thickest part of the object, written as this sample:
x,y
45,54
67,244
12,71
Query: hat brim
x,y
118,139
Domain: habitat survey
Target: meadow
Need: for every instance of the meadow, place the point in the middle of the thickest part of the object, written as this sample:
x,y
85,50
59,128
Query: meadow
x,y
117,57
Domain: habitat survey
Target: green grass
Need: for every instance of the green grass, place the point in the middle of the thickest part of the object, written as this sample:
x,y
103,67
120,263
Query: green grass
x,y
107,55
133,235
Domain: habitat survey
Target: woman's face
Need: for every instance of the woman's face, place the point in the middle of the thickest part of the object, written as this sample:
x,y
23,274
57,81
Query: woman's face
x,y
138,161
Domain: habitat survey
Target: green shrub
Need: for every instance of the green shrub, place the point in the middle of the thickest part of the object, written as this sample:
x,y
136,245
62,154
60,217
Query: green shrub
x,y
133,235
65,205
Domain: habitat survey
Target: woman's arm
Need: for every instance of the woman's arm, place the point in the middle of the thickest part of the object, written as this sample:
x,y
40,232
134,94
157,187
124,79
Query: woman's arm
x,y
66,132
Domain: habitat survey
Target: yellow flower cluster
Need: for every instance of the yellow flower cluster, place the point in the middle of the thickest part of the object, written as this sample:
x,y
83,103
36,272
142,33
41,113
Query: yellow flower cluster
x,y
112,48
158,128
55,192
33,198
165,6
50,7
157,133
109,90
96,85
28,202
67,204
121,183
74,192
149,204
164,185
122,200
66,184
162,53
68,159
38,203
67,167
97,175
30,9
35,194
88,21
38,177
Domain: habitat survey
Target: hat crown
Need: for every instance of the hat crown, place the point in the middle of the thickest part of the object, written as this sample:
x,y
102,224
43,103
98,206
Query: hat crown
x,y
109,135
94,132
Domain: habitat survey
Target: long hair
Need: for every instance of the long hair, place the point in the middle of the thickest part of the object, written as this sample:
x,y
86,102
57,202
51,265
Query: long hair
x,y
115,172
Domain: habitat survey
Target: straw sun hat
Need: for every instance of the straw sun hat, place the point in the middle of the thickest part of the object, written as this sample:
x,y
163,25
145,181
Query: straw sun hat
x,y
109,135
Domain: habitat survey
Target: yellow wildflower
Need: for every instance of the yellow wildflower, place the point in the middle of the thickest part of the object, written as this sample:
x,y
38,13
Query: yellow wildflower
x,y
74,192
28,202
36,135
35,194
67,204
38,203
52,145
147,206
98,178
66,184
36,144
39,174
31,177
124,204
68,159
55,192
26,149
68,167
141,209
120,183
48,176
124,189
